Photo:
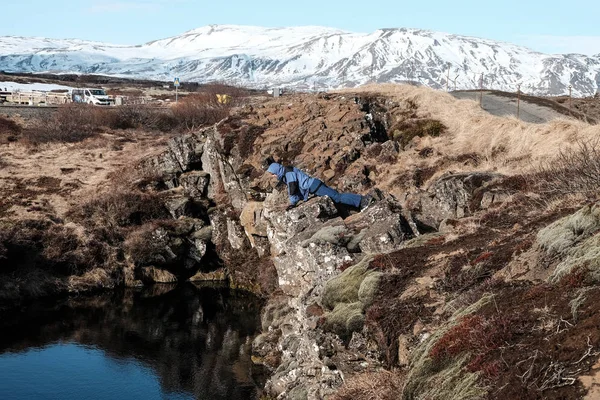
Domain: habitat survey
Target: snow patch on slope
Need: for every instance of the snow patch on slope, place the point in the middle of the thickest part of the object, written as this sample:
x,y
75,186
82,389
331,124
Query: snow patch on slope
x,y
307,57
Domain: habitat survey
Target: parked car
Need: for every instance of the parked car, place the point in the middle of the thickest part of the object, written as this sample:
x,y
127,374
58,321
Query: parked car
x,y
96,97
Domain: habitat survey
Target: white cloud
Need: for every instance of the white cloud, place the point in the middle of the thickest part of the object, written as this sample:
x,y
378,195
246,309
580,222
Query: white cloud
x,y
589,45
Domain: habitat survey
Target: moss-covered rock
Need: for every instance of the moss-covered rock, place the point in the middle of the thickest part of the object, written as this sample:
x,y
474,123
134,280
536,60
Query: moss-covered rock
x,y
345,319
344,287
368,288
348,295
574,242
559,238
336,235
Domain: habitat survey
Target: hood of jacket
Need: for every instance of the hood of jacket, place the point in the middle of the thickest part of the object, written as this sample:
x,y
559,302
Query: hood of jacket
x,y
277,169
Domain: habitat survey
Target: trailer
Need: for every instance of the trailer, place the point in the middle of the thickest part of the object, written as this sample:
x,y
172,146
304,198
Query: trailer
x,y
34,98
96,97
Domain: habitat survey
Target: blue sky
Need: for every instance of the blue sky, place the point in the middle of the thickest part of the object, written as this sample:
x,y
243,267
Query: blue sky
x,y
547,26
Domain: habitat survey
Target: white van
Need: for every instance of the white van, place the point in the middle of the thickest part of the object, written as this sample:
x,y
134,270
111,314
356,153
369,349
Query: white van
x,y
96,97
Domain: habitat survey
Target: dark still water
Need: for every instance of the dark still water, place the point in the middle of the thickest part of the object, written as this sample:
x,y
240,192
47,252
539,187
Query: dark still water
x,y
164,342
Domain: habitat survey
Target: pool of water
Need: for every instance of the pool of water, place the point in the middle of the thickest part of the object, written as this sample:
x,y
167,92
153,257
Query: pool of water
x,y
165,342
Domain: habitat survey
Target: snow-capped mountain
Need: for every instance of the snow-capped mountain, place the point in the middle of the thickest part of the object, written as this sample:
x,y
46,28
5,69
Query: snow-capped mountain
x,y
313,57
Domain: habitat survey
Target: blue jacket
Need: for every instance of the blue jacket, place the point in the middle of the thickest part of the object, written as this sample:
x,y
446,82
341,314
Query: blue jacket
x,y
298,182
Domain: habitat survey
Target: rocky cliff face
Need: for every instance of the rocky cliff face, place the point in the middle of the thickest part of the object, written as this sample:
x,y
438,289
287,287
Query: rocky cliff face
x,y
329,262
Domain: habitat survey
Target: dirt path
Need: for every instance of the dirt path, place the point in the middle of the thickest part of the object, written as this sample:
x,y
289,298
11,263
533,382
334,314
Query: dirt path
x,y
503,106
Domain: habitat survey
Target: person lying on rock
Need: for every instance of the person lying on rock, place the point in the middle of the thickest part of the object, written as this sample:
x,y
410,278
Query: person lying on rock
x,y
300,186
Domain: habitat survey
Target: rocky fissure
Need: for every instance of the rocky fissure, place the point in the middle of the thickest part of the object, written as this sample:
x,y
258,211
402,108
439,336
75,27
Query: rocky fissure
x,y
452,268
321,256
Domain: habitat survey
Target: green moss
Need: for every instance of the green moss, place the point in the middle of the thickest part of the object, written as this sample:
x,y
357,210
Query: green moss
x,y
344,287
573,241
348,295
585,254
557,238
368,288
329,234
345,319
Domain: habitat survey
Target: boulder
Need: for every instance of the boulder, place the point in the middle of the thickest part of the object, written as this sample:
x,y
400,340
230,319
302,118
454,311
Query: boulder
x,y
174,246
182,154
194,184
382,227
187,151
225,186
156,275
227,232
177,203
450,197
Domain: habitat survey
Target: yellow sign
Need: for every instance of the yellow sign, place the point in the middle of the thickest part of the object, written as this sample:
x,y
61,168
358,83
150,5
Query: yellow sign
x,y
176,82
223,98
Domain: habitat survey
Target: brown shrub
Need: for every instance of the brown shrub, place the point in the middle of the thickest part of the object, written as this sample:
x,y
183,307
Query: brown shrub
x,y
482,257
477,335
46,245
9,126
142,245
577,278
71,123
380,385
141,116
391,318
404,132
200,110
575,170
9,130
110,212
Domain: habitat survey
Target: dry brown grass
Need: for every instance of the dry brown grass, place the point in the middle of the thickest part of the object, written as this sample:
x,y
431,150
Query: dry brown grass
x,y
199,110
110,214
381,385
48,246
504,144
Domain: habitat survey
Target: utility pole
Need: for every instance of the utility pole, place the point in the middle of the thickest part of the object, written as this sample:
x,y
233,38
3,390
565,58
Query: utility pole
x,y
456,77
448,78
519,101
570,98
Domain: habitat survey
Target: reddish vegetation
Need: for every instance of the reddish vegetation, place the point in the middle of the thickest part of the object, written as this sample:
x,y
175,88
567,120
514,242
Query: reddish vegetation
x,y
478,336
524,342
575,279
484,256
541,348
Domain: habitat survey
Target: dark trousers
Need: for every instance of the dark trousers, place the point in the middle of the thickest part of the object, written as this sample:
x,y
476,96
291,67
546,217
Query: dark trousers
x,y
322,189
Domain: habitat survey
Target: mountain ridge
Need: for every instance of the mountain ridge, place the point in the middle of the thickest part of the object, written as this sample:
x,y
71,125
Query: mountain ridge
x,y
313,57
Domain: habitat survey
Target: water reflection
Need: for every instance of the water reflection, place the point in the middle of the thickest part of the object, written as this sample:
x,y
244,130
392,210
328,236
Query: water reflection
x,y
196,340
